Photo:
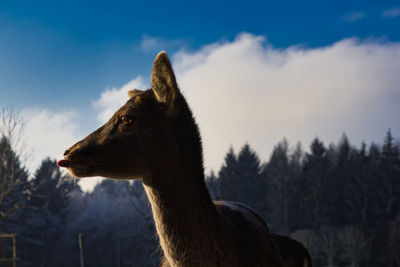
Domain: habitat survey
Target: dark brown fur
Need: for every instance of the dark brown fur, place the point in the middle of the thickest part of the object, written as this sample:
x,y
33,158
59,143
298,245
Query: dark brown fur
x,y
162,147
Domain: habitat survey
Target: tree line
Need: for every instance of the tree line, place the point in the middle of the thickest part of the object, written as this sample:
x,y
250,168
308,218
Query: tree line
x,y
341,201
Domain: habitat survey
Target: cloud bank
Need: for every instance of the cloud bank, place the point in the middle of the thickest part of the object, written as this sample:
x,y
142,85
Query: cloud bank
x,y
155,44
247,91
48,133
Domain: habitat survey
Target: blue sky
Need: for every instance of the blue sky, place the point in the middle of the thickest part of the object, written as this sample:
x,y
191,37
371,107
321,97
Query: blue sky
x,y
62,56
77,47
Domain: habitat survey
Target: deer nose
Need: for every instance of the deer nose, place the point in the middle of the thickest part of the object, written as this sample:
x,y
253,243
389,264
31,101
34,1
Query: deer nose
x,y
67,152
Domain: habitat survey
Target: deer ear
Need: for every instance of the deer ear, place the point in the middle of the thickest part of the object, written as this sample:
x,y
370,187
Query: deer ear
x,y
163,80
134,92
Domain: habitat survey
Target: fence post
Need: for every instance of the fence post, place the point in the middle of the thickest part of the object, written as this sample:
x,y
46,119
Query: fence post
x,y
14,251
81,249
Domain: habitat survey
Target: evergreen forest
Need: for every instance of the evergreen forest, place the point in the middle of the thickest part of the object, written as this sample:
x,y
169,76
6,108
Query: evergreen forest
x,y
340,200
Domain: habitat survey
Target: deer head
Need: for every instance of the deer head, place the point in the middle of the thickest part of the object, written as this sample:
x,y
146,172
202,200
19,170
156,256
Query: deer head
x,y
139,136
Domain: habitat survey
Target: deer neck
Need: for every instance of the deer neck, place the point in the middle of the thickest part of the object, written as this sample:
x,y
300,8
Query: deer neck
x,y
185,216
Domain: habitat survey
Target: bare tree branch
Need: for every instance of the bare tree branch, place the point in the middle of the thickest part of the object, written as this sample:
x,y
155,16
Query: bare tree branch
x,y
12,151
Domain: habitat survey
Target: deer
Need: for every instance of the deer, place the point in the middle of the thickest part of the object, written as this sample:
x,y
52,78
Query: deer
x,y
154,138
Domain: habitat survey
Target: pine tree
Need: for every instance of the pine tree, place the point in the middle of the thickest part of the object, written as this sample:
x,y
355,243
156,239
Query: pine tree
x,y
46,214
279,187
211,182
240,179
296,160
228,178
339,182
390,176
311,208
13,192
358,189
13,181
390,152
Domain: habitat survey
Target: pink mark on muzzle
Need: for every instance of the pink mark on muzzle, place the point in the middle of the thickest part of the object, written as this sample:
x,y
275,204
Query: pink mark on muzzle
x,y
63,163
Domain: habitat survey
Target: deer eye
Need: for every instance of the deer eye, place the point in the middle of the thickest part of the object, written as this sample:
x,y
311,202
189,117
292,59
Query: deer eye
x,y
126,119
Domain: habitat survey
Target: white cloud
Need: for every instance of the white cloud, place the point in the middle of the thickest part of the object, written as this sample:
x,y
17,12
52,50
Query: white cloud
x,y
152,43
391,13
149,43
49,134
112,99
354,16
246,91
